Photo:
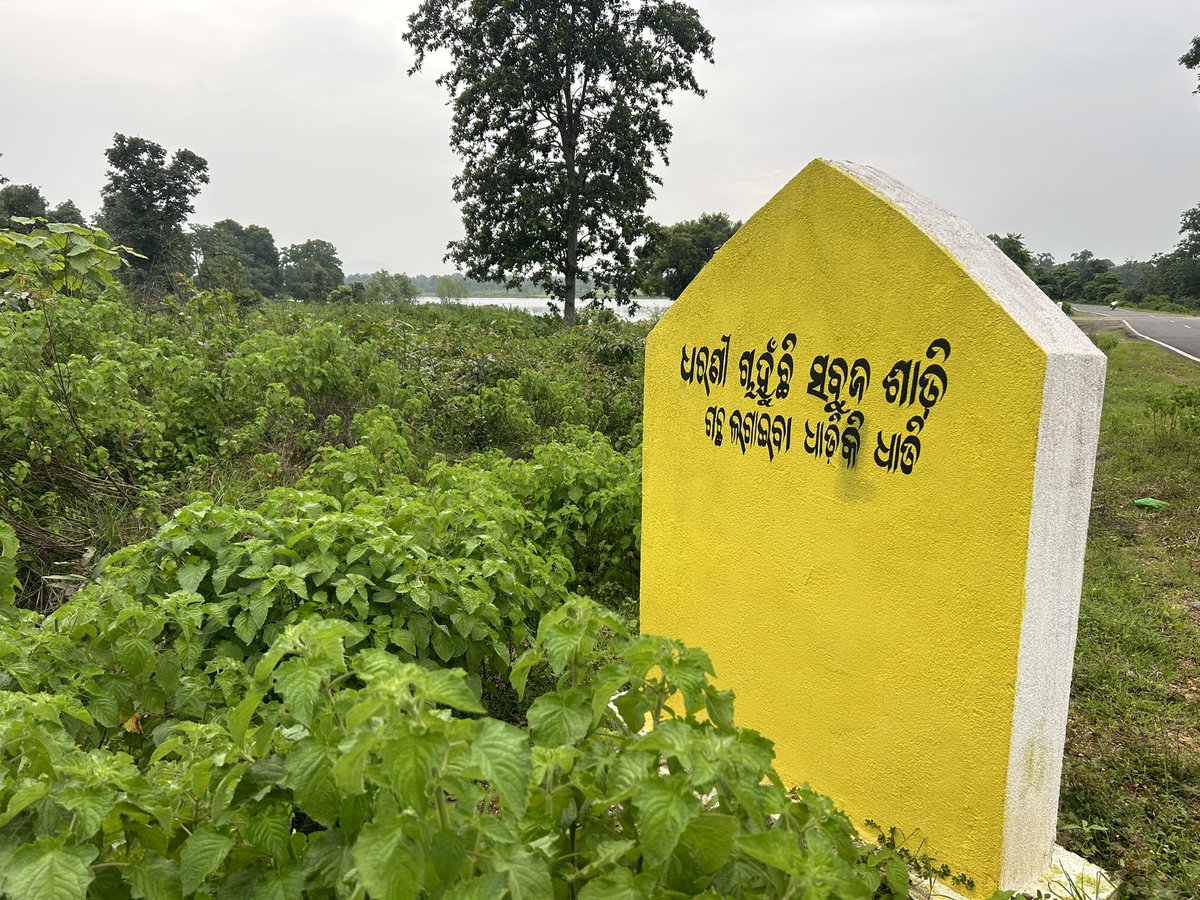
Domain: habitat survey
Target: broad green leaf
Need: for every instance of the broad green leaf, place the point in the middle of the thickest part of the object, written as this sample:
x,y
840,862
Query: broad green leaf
x,y
710,838
201,856
191,574
270,830
48,870
279,884
481,887
560,718
448,687
443,645
501,754
154,878
780,849
409,757
299,682
448,853
663,809
391,865
22,798
528,874
519,674
135,653
310,776
719,706
615,884
239,719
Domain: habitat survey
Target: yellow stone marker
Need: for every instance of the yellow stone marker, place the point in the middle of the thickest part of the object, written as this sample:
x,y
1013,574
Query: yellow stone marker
x,y
868,456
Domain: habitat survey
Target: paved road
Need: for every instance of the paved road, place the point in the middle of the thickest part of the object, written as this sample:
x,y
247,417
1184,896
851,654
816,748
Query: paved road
x,y
1175,332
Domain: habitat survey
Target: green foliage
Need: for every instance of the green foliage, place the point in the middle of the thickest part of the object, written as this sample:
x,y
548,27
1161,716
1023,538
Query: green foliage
x,y
57,257
239,259
146,201
451,288
375,674
558,119
1191,59
311,270
258,702
384,287
1013,246
20,201
674,255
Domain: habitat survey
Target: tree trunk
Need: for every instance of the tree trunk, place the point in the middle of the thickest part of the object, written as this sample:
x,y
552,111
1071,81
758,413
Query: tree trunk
x,y
569,278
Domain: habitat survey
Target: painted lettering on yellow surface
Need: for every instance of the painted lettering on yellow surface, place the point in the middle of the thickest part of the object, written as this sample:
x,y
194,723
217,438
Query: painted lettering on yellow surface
x,y
836,431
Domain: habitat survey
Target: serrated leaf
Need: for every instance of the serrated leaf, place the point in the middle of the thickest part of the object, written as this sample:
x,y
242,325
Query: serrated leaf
x,y
501,753
135,653
710,838
719,706
201,856
391,866
443,645
271,829
47,870
403,638
518,675
191,574
663,809
278,884
481,887
616,884
22,798
299,682
528,874
561,718
310,776
779,849
448,687
154,878
239,719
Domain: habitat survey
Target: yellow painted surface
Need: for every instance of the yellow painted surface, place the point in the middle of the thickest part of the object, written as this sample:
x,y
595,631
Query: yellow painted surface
x,y
868,618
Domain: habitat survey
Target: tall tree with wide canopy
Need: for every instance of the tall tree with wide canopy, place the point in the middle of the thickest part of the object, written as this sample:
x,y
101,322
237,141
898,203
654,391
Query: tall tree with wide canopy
x,y
558,118
146,202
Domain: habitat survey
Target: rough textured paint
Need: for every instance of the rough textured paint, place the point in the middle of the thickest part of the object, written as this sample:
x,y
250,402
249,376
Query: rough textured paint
x,y
869,609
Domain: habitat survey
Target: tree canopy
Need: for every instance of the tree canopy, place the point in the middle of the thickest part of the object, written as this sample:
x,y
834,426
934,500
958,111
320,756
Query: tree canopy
x,y
27,200
241,259
674,254
146,202
450,287
20,200
1191,59
1013,246
311,270
558,118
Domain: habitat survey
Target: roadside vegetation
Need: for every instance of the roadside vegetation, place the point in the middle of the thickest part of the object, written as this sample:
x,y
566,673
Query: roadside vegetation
x,y
1131,782
341,601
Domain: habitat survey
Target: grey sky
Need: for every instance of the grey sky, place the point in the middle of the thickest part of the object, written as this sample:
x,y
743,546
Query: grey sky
x,y
1066,120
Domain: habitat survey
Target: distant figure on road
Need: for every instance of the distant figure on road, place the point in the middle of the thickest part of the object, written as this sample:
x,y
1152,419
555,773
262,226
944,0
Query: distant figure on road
x,y
1113,304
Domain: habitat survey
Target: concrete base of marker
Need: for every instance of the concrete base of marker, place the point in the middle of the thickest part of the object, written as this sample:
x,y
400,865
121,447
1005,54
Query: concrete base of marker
x,y
1071,877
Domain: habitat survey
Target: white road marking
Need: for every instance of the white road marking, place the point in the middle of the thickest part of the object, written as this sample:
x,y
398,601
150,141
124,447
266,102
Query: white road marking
x,y
1160,343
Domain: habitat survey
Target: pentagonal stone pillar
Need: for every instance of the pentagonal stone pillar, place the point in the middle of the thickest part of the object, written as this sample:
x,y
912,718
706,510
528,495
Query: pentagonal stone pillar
x,y
868,456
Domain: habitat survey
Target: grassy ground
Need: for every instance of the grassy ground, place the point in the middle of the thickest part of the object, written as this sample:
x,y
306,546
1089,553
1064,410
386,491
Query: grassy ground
x,y
1131,782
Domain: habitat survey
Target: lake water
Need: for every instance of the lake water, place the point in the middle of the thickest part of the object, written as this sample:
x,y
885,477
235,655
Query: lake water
x,y
538,307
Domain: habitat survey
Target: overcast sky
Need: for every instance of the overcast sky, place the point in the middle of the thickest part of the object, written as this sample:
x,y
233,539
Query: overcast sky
x,y
1067,120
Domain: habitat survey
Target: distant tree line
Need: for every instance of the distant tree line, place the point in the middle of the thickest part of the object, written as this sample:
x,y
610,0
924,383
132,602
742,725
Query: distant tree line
x,y
610,248
1165,281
